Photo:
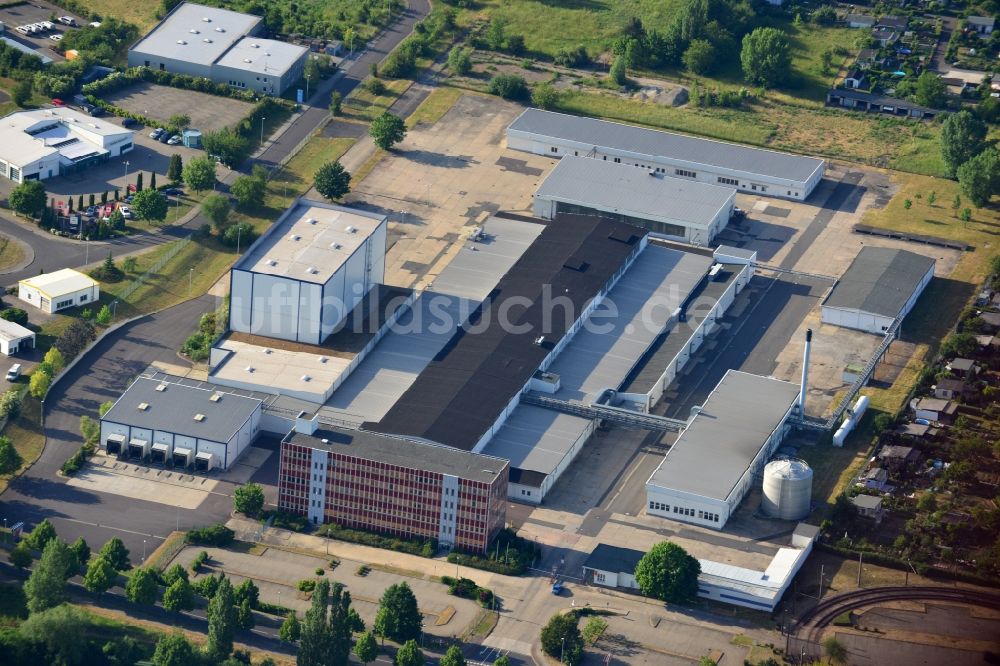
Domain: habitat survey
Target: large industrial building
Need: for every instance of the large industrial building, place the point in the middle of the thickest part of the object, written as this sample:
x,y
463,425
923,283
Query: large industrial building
x,y
673,208
303,277
712,465
40,144
221,45
392,485
754,170
171,421
880,285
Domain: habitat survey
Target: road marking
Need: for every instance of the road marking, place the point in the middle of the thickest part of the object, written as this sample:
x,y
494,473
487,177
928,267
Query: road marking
x,y
111,527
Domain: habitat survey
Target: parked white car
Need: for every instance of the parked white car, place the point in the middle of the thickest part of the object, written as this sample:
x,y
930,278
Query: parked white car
x,y
126,212
67,20
56,37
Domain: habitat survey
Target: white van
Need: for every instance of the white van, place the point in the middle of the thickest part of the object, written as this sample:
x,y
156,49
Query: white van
x,y
14,372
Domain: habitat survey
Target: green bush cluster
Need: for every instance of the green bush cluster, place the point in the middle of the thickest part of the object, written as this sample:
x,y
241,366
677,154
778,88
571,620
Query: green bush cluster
x,y
213,535
75,462
286,521
468,589
119,80
198,345
509,554
199,561
421,547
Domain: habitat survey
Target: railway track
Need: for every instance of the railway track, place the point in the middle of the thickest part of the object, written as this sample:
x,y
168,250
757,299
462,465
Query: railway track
x,y
809,626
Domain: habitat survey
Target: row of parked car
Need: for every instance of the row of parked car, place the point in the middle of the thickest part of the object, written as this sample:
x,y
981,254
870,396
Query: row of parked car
x,y
40,28
163,136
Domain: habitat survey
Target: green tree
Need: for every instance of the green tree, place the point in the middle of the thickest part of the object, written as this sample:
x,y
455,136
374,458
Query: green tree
x,y
28,198
150,205
366,648
20,556
700,57
561,638
460,60
931,90
248,499
41,535
21,94
453,657
16,315
152,180
175,170
668,573
244,615
116,553
117,219
387,130
965,215
336,104
290,629
10,405
249,191
835,650
54,359
179,595
398,617
707,661
545,96
247,591
221,621
10,459
766,57
174,650
509,86
199,174
409,655
619,70
979,177
141,587
963,136
81,552
130,264
138,182
173,573
216,208
90,430
502,660
594,629
332,180
230,146
100,576
60,633
46,587
314,647
179,121
38,386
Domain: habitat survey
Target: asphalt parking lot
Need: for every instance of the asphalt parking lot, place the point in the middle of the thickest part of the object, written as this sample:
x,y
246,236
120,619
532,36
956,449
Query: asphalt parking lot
x,y
36,12
208,113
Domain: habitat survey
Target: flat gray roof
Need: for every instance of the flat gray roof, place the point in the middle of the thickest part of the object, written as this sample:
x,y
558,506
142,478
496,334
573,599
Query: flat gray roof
x,y
626,189
403,452
535,439
262,56
173,409
880,281
643,141
206,33
713,453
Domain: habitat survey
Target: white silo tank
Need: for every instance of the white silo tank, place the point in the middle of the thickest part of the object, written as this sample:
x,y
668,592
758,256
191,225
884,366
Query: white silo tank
x,y
787,489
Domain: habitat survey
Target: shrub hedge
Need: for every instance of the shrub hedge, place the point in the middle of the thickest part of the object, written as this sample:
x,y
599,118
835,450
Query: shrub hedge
x,y
421,547
213,535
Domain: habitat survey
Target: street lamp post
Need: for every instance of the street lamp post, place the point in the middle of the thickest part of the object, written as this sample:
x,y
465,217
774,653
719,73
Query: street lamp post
x,y
190,280
114,309
239,231
143,550
262,119
562,649
126,177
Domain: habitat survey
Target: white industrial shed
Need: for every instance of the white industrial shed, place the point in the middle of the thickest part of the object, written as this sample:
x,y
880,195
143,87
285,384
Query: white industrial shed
x,y
40,144
15,338
221,45
880,285
307,273
66,288
677,155
714,462
674,208
169,421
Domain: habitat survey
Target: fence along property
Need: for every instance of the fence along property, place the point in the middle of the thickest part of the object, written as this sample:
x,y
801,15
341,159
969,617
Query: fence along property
x,y
177,246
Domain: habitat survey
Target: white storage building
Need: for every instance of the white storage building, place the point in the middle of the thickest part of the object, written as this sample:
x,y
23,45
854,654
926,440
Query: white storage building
x,y
66,288
714,462
221,45
308,272
755,170
40,144
880,285
673,208
15,338
173,422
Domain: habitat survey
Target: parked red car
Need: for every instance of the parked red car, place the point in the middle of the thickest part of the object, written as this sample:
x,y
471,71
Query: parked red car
x,y
58,102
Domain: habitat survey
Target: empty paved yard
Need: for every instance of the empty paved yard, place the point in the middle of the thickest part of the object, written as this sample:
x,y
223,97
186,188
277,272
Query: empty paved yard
x,y
208,113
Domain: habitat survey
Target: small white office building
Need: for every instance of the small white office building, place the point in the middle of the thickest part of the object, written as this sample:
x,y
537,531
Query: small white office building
x,y
753,170
672,208
40,144
66,288
15,338
307,273
721,454
174,422
880,285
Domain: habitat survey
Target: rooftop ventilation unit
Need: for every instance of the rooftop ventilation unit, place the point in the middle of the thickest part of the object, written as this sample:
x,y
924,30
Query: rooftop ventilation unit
x,y
267,350
194,31
181,42
335,246
311,220
255,46
306,378
207,40
295,237
312,271
216,397
199,417
249,368
247,60
143,406
322,359
325,440
351,229
161,387
272,262
220,29
207,20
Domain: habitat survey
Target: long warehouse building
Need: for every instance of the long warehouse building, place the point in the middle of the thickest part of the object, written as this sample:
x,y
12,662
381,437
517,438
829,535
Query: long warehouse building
x,y
754,170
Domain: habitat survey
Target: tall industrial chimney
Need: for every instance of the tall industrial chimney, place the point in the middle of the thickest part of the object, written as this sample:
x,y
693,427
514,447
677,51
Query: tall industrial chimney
x,y
805,372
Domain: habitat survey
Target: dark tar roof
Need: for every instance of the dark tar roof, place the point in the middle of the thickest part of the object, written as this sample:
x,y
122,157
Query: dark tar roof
x,y
404,452
879,281
882,100
464,389
174,408
613,558
650,142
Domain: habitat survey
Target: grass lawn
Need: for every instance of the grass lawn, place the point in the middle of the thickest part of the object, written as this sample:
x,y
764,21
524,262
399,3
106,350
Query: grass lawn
x,y
25,432
142,14
432,109
364,106
11,253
